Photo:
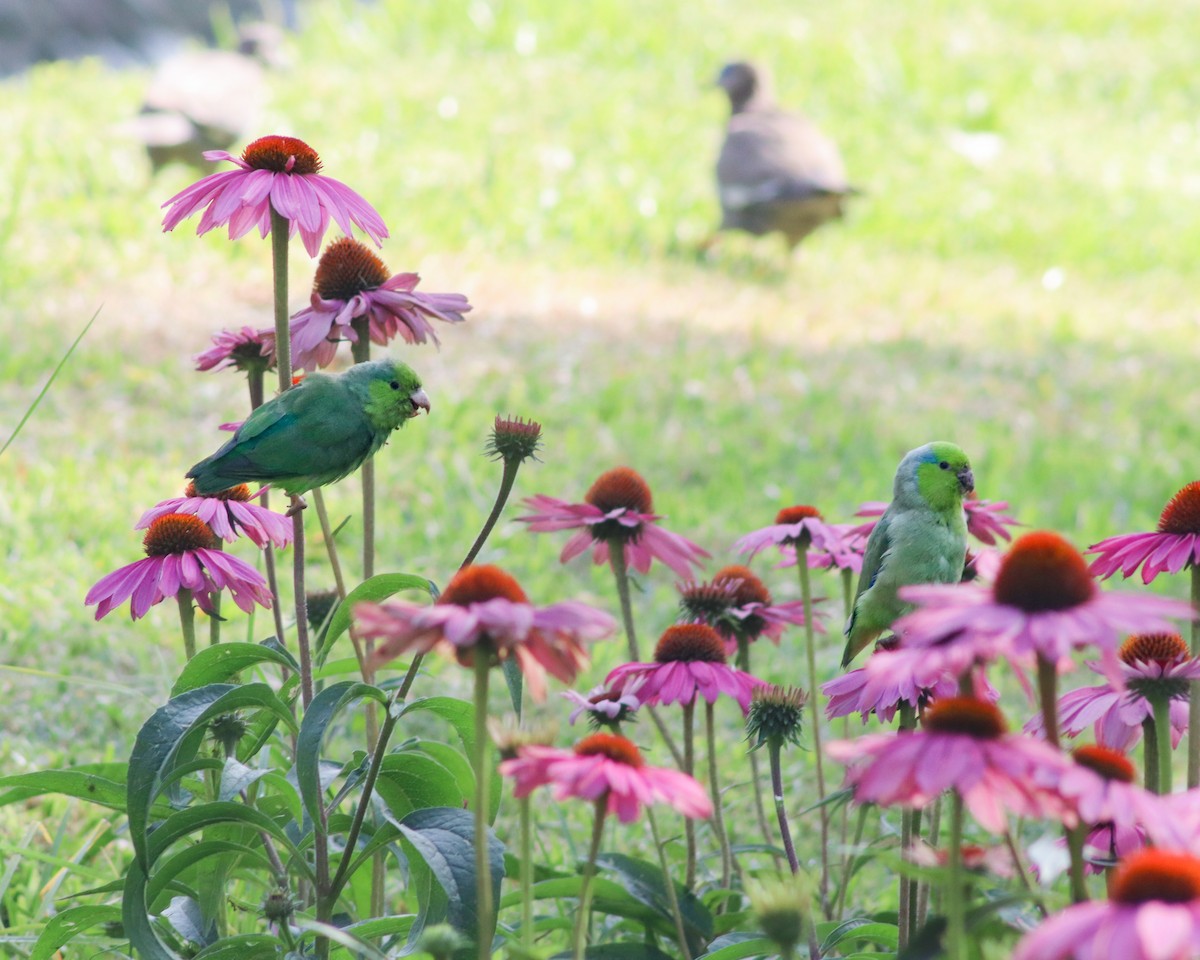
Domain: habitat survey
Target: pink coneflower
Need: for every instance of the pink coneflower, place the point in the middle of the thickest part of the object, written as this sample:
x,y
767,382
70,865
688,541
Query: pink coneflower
x,y
606,766
1153,913
1170,548
605,706
245,349
617,511
962,745
689,660
279,172
738,605
351,283
1149,662
484,608
1043,602
986,520
881,692
228,513
180,555
1099,787
796,527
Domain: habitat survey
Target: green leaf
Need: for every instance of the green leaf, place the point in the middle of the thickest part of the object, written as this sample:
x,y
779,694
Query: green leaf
x,y
67,925
102,784
172,734
320,713
625,951
442,839
644,881
246,946
738,946
410,780
377,588
190,856
859,928
138,926
383,927
461,715
515,681
223,661
187,821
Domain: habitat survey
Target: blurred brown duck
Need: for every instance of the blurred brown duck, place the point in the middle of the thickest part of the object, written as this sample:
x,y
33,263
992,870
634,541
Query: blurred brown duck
x,y
776,170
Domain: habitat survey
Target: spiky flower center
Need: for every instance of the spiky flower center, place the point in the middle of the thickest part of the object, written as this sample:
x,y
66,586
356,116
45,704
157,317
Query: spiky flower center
x,y
318,604
1153,874
514,439
689,643
1109,763
1182,512
612,746
241,493
1043,572
1165,649
346,269
747,588
790,515
965,715
275,153
177,533
705,601
620,488
479,583
776,715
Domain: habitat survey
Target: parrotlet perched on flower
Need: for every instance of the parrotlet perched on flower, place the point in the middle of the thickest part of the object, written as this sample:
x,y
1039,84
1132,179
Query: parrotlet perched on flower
x,y
921,538
317,432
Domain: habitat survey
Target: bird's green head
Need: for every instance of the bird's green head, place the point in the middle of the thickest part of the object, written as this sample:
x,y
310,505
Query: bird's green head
x,y
942,473
393,393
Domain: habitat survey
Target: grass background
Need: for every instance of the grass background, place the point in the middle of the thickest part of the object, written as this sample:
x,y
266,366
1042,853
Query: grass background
x,y
1019,276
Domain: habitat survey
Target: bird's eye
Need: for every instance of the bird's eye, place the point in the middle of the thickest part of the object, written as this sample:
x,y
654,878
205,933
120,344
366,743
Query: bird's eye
x,y
944,465
395,384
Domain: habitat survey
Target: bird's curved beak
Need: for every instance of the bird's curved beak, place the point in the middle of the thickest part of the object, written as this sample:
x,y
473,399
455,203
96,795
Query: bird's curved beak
x,y
420,401
966,479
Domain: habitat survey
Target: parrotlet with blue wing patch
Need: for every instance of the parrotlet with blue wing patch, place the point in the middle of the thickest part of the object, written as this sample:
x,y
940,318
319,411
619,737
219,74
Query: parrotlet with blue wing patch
x,y
319,431
921,538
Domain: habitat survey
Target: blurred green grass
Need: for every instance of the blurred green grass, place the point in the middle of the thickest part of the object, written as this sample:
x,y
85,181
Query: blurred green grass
x,y
553,161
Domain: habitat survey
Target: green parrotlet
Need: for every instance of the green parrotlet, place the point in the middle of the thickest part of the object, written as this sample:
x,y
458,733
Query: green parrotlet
x,y
921,538
317,432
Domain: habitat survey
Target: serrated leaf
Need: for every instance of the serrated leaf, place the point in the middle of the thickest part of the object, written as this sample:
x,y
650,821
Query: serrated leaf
x,y
222,661
172,734
443,840
320,713
66,925
377,588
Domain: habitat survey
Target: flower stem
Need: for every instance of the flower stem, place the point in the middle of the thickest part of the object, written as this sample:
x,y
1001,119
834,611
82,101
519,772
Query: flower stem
x,y
279,277
1075,838
669,884
1193,737
956,913
1161,706
214,617
187,621
714,786
506,484
1047,681
848,862
810,643
589,871
526,878
743,664
303,649
935,822
904,918
483,873
773,749
1150,758
689,767
254,383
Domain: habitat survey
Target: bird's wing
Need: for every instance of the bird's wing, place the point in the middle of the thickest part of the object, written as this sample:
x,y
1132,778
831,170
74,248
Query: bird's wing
x,y
878,545
308,430
773,155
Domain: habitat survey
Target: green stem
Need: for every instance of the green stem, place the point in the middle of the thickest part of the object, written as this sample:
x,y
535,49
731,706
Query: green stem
x,y
483,874
279,278
760,810
904,915
1075,837
773,749
1193,738
848,863
303,648
187,621
1161,705
589,871
714,786
526,878
814,701
669,884
1023,875
1047,681
689,767
360,351
956,912
935,822
214,618
506,484
1150,760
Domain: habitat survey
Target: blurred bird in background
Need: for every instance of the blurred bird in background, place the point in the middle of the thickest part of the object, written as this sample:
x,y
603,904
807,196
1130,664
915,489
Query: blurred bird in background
x,y
776,171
